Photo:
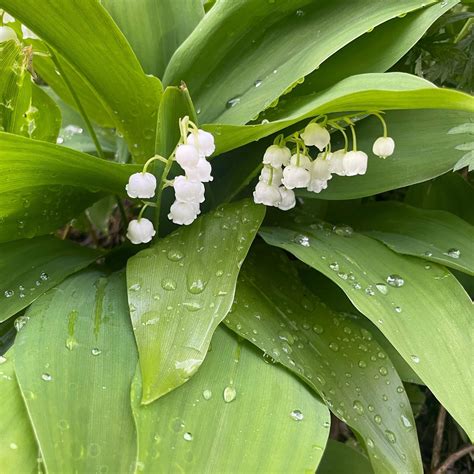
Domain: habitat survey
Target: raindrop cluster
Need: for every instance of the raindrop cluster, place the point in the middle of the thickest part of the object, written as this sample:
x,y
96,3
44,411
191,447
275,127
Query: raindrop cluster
x,y
288,165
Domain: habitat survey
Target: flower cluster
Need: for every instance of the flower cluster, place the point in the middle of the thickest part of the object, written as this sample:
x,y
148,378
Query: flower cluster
x,y
194,147
285,170
7,33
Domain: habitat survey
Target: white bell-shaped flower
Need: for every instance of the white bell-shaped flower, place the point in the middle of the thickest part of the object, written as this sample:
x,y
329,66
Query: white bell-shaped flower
x,y
335,161
317,185
141,185
183,213
140,231
355,162
315,135
203,142
271,175
277,156
295,177
320,169
384,147
301,160
27,33
287,200
187,190
266,194
7,34
7,18
187,156
200,172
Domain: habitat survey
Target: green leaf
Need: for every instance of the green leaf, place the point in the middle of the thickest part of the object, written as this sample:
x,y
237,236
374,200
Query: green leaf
x,y
155,28
437,236
426,319
39,191
45,114
177,297
227,416
387,91
233,77
450,192
29,268
339,458
98,52
74,360
332,353
467,161
18,449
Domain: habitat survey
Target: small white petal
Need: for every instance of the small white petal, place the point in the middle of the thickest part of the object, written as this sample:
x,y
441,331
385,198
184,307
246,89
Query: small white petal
x,y
266,194
277,156
200,172
315,135
187,190
317,185
183,213
27,33
7,34
187,156
336,162
320,169
7,18
270,173
140,231
295,177
203,141
301,160
141,185
355,162
383,147
288,199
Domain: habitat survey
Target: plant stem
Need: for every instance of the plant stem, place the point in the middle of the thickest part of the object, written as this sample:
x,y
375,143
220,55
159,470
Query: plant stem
x,y
438,437
453,458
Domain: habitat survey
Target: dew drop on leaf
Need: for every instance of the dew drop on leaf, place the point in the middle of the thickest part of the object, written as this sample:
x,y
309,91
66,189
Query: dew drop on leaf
x,y
297,415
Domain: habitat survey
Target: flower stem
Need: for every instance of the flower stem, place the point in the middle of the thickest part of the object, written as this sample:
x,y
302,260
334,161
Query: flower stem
x,y
384,124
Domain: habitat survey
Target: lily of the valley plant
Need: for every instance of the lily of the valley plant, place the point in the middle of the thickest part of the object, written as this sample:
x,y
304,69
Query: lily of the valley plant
x,y
215,233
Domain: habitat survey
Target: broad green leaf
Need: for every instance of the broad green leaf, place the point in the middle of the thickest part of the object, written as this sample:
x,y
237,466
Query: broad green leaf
x,y
376,51
45,115
18,449
436,236
332,353
29,268
85,36
360,93
339,458
424,312
233,77
450,192
225,419
155,28
74,360
181,288
40,187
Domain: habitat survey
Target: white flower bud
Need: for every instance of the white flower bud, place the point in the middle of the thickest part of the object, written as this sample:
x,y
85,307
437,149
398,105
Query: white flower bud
x,y
383,147
295,177
187,190
304,161
187,156
7,34
269,173
277,156
141,185
202,141
266,194
200,172
355,162
320,169
183,213
7,18
315,135
27,33
288,200
140,231
317,185
335,161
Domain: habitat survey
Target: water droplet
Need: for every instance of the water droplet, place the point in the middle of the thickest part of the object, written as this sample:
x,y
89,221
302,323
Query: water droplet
x,y
232,102
453,253
397,309
302,240
287,337
390,435
395,280
370,443
175,255
168,284
318,329
334,346
358,407
197,286
46,377
96,351
362,364
343,230
370,291
207,394
299,13
334,266
188,436
378,419
428,254
20,322
13,446
9,293
297,415
415,358
44,276
406,422
382,288
229,394
258,83
383,371
400,389
135,287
